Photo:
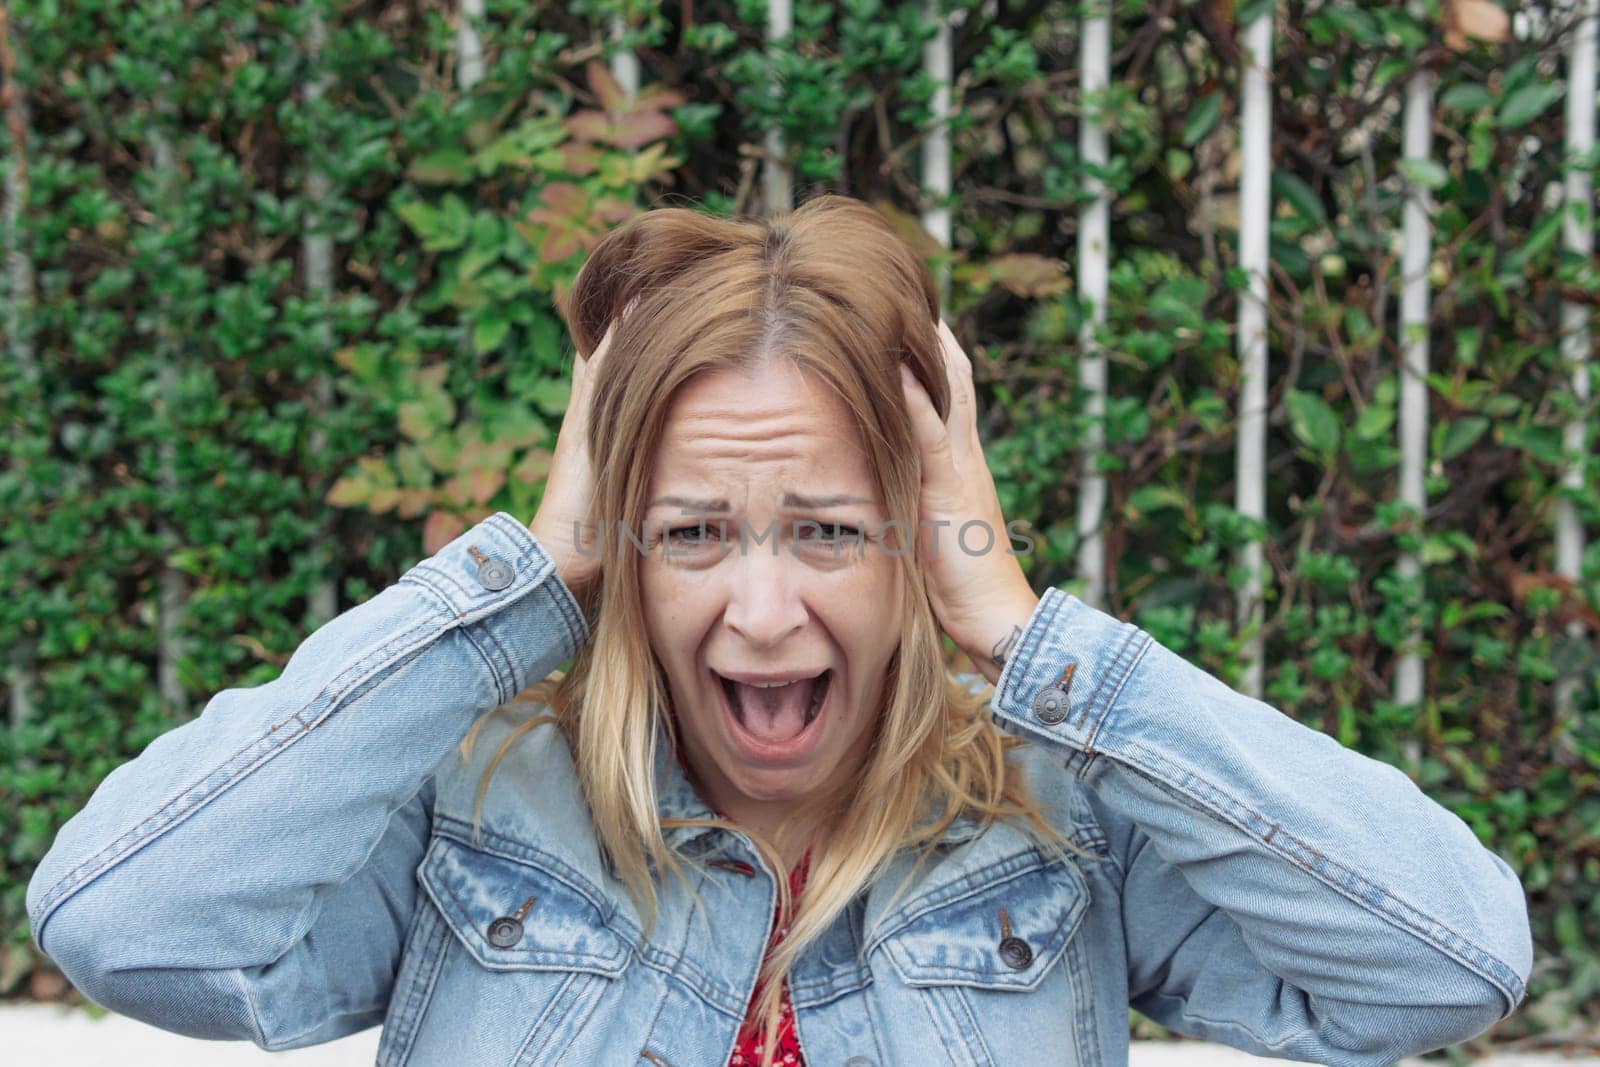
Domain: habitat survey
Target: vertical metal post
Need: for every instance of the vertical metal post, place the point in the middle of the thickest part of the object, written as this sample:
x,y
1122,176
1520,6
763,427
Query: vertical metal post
x,y
316,263
775,177
1414,319
1094,254
1577,237
936,64
1250,467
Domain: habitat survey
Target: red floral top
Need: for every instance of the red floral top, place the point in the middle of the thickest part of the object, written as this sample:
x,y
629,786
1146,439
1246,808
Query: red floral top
x,y
748,1047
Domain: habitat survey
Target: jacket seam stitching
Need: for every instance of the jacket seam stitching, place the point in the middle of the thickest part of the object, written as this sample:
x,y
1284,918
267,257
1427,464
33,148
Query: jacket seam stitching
x,y
1032,642
1108,675
534,1040
666,990
680,970
1069,923
1134,659
501,691
974,882
461,908
434,944
566,606
461,604
523,539
450,828
1412,920
959,995
1083,995
419,578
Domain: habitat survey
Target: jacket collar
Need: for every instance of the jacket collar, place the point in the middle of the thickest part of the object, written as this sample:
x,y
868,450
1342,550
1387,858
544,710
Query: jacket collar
x,y
676,798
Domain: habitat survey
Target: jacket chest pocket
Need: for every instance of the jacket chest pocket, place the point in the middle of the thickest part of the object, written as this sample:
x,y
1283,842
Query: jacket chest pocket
x,y
997,974
507,958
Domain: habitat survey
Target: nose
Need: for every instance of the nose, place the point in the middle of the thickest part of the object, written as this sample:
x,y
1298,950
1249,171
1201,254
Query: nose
x,y
765,605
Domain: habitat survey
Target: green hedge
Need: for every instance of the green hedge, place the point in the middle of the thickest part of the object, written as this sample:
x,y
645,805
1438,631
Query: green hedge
x,y
185,416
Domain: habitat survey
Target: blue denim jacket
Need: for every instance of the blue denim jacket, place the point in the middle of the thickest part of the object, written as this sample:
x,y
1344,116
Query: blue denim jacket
x,y
297,864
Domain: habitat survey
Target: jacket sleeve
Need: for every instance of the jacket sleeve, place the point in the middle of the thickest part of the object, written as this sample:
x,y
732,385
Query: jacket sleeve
x,y
1280,893
251,874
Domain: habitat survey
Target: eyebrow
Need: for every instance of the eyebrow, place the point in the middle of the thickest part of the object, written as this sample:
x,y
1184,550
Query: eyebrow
x,y
790,500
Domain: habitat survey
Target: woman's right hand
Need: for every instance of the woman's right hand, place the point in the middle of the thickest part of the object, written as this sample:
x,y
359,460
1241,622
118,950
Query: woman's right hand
x,y
569,488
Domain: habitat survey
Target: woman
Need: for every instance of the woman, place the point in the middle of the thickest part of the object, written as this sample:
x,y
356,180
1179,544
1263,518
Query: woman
x,y
768,501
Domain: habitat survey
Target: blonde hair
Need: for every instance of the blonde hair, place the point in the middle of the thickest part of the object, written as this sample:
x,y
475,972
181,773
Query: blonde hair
x,y
832,288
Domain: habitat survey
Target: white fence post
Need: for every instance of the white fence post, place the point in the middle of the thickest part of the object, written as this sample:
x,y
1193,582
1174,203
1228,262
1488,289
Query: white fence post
x,y
19,347
1250,467
936,63
170,596
316,263
1094,253
775,178
1576,351
469,46
1414,319
624,64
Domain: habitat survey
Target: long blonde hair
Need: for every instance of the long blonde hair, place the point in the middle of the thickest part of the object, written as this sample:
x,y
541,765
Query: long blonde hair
x,y
832,288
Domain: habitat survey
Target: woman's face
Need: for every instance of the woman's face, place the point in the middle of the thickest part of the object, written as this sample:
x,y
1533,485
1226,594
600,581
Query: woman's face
x,y
802,603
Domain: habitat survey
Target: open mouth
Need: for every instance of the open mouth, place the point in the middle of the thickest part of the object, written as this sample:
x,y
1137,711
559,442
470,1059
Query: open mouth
x,y
776,713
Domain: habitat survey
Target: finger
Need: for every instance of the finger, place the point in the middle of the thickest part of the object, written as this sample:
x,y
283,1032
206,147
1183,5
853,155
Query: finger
x,y
604,345
933,436
963,419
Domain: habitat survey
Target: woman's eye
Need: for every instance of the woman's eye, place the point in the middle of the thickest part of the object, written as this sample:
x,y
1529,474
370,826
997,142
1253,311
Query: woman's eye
x,y
700,533
828,531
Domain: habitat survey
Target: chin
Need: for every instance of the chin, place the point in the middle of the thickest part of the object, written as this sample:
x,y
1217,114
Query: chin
x,y
767,784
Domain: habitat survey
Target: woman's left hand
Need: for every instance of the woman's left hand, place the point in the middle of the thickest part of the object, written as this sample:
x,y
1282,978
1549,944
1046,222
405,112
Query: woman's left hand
x,y
978,589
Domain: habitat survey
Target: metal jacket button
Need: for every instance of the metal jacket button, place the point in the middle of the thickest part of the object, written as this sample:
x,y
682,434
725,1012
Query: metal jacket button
x,y
507,930
493,574
1050,705
858,1061
1014,952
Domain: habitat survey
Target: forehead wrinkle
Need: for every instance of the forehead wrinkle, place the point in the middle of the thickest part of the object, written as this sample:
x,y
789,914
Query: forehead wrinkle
x,y
745,426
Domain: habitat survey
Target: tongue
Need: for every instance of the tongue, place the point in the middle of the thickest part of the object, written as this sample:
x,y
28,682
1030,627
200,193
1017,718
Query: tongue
x,y
775,714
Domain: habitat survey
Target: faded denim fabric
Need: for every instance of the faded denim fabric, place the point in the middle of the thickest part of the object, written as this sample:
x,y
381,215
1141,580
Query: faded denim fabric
x,y
298,863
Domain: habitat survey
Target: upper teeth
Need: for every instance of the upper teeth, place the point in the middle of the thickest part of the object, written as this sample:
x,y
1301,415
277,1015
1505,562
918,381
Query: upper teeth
x,y
769,685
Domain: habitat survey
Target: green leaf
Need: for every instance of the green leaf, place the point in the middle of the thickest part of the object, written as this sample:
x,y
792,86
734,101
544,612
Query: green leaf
x,y
1424,172
1148,498
489,331
1528,103
1300,196
1313,422
1462,435
1541,237
1374,422
415,419
422,217
445,166
1202,119
550,395
1466,97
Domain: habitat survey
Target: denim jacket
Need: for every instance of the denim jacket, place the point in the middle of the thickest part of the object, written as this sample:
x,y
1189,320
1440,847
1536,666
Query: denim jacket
x,y
298,863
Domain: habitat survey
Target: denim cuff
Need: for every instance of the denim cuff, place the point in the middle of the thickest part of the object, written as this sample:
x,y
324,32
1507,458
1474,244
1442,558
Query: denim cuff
x,y
501,586
1064,676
